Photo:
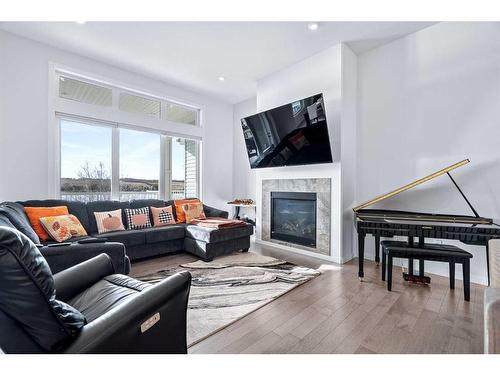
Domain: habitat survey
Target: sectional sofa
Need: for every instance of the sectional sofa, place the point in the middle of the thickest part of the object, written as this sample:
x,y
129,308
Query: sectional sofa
x,y
128,245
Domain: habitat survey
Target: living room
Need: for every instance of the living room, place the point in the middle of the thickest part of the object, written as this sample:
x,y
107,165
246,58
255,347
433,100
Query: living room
x,y
263,186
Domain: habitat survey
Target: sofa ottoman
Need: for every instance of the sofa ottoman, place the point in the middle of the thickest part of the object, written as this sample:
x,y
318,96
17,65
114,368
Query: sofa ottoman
x,y
208,243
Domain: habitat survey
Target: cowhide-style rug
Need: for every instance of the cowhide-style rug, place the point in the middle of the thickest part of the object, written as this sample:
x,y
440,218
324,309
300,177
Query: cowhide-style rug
x,y
231,287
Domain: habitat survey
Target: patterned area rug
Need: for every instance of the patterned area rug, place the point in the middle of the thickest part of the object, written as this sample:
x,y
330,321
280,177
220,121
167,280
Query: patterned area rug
x,y
231,287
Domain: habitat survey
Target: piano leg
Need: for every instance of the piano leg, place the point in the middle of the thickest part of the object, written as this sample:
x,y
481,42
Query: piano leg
x,y
361,255
377,250
421,268
488,261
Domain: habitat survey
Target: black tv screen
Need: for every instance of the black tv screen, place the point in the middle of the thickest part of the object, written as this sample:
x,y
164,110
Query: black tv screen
x,y
293,134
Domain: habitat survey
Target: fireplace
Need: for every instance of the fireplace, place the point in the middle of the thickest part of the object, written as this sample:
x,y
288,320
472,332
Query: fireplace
x,y
293,217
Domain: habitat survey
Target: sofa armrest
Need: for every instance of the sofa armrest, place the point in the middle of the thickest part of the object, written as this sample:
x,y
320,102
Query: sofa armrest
x,y
63,257
74,280
121,329
214,212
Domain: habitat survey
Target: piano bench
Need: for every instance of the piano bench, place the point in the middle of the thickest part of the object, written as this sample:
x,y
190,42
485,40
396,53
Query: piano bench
x,y
431,252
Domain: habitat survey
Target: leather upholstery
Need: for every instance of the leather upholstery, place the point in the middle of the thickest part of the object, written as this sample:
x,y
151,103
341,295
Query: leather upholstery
x,y
27,293
106,294
74,280
16,215
118,330
33,321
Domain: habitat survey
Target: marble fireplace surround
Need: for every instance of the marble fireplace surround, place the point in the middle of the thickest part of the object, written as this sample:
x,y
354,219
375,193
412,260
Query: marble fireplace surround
x,y
322,188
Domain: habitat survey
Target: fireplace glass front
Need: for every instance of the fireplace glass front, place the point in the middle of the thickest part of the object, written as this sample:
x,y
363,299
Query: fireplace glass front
x,y
293,217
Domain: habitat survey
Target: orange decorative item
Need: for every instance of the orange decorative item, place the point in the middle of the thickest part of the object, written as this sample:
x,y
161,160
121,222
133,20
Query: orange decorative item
x,y
64,227
179,210
109,221
35,213
193,211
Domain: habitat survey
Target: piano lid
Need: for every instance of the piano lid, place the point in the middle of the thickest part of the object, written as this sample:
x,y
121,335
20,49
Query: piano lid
x,y
411,185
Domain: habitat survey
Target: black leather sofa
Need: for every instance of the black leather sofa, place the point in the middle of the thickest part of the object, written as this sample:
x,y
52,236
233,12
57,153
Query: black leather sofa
x,y
86,308
205,243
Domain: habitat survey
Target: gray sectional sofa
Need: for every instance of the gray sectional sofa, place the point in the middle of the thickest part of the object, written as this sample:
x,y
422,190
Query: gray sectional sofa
x,y
123,246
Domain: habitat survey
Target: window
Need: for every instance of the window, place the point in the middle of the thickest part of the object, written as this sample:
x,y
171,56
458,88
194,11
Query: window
x,y
85,161
139,164
84,92
184,168
138,104
127,101
120,143
148,166
181,114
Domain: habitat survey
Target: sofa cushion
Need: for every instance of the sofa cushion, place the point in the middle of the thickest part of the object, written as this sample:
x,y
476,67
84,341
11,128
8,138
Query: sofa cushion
x,y
126,237
106,294
27,293
79,209
101,206
212,235
16,215
139,203
167,233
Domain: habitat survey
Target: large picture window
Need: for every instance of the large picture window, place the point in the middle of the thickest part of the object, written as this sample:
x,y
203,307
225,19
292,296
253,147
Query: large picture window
x,y
139,164
107,161
85,161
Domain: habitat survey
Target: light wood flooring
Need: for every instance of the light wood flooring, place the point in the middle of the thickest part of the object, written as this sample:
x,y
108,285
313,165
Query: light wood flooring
x,y
336,313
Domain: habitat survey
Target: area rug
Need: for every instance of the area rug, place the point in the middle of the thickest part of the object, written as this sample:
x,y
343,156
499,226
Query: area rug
x,y
231,287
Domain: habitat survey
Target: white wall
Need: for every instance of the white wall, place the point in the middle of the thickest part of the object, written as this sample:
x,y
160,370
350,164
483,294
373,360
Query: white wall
x,y
24,99
243,176
320,73
425,101
348,150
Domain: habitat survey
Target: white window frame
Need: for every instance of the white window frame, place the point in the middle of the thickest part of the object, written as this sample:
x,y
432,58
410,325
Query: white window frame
x,y
111,116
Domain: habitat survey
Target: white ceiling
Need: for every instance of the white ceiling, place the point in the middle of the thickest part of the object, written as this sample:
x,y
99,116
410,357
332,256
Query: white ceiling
x,y
194,54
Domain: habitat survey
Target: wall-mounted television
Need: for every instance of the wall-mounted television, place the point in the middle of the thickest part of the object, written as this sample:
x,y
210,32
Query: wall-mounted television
x,y
293,134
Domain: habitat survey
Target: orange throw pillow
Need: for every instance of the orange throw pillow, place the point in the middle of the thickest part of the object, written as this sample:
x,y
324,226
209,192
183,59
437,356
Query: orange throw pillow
x,y
35,213
179,210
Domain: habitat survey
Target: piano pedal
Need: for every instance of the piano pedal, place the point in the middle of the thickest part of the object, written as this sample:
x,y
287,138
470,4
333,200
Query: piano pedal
x,y
416,279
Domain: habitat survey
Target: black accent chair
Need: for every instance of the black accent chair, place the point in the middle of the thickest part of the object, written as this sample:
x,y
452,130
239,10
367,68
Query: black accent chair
x,y
86,308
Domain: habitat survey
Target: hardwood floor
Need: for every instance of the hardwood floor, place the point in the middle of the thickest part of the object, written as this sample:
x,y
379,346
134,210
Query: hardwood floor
x,y
335,313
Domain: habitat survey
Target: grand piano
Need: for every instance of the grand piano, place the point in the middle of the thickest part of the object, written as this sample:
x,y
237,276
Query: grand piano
x,y
471,230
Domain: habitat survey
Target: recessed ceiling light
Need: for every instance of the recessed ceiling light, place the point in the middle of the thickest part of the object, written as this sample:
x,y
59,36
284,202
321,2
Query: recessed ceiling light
x,y
81,22
222,79
313,26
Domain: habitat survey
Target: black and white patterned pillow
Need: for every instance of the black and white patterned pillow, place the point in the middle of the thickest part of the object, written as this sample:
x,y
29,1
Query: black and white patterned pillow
x,y
165,217
138,218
